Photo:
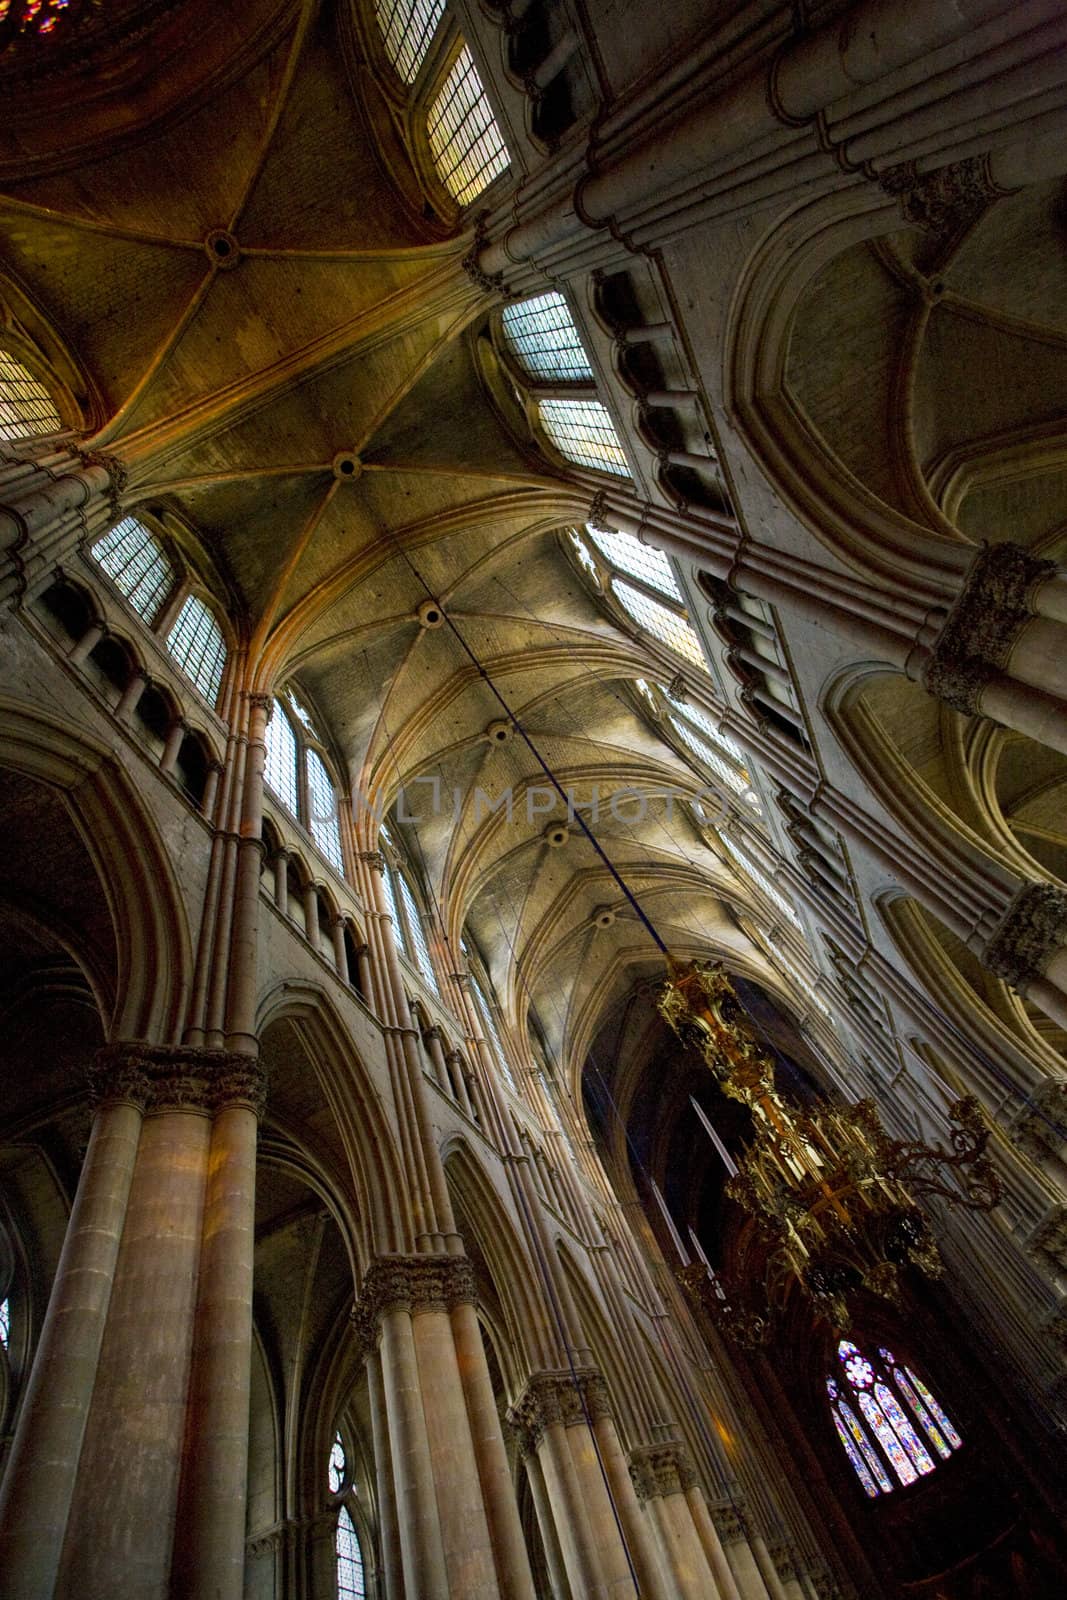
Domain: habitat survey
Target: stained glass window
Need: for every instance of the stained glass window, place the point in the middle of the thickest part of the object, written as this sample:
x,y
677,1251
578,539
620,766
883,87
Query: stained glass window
x,y
668,626
465,142
391,907
350,1585
280,770
541,335
137,566
338,1466
639,560
408,27
582,431
878,1387
197,645
26,406
322,805
587,562
704,722
415,931
5,1322
733,779
300,711
745,861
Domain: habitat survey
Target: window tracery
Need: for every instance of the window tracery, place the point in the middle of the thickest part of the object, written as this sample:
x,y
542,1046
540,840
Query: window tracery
x,y
351,1580
903,1431
466,144
26,407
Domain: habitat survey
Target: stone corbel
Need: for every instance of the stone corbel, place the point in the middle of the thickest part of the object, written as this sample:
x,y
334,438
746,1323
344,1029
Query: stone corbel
x,y
947,199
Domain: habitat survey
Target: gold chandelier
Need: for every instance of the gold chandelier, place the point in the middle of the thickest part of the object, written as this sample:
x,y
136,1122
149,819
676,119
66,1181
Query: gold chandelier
x,y
833,1199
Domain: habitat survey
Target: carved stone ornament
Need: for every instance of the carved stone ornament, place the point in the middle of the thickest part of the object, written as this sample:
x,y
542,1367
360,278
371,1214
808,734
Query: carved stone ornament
x,y
176,1078
563,1397
729,1521
984,624
661,1469
1048,1242
374,859
785,1560
944,200
597,508
116,470
1040,1126
1032,929
415,1284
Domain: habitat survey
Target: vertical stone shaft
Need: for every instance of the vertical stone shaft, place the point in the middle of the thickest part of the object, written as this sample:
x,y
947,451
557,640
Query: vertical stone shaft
x,y
43,1462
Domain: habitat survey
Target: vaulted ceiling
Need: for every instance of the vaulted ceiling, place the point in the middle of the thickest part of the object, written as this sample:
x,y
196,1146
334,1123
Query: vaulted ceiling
x,y
281,344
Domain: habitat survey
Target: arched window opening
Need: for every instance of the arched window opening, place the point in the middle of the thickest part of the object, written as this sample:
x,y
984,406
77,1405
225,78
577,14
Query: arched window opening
x,y
485,1011
350,1581
407,29
541,335
191,767
155,715
736,779
416,936
901,1431
641,561
338,1468
136,565
197,646
393,909
352,962
69,605
281,768
582,431
5,1322
466,144
750,870
322,807
26,407
668,626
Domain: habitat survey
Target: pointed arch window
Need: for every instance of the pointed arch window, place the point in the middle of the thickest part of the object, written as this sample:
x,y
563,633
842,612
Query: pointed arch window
x,y
670,627
26,407
900,1432
322,811
134,561
351,1580
299,777
541,335
198,647
750,869
407,28
466,144
583,432
641,561
416,936
485,1011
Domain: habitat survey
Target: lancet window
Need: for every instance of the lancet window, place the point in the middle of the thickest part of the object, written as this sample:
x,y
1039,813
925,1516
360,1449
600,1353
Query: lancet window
x,y
298,776
351,1580
891,1427
403,908
26,407
134,558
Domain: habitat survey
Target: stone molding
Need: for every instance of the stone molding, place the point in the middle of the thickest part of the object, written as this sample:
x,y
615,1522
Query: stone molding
x,y
560,1397
176,1078
1028,935
984,624
413,1284
661,1469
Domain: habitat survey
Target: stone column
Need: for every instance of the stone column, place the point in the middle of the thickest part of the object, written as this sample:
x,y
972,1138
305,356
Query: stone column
x,y
134,1435
1028,948
209,1550
732,1530
52,498
662,1475
550,1421
42,1465
453,1538
388,1526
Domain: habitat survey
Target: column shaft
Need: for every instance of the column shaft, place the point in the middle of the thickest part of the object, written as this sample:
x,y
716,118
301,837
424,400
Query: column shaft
x,y
425,1571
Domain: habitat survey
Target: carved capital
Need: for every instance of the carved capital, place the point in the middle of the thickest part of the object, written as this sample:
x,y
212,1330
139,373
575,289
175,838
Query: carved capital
x,y
729,1520
561,1397
942,201
262,702
374,859
785,1559
1040,1127
414,1284
597,508
661,1469
984,624
176,1078
116,471
1048,1242
1032,929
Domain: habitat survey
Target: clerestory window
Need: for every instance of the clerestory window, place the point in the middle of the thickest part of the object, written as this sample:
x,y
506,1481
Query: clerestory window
x,y
891,1427
198,648
541,335
466,144
26,407
298,776
583,431
407,29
